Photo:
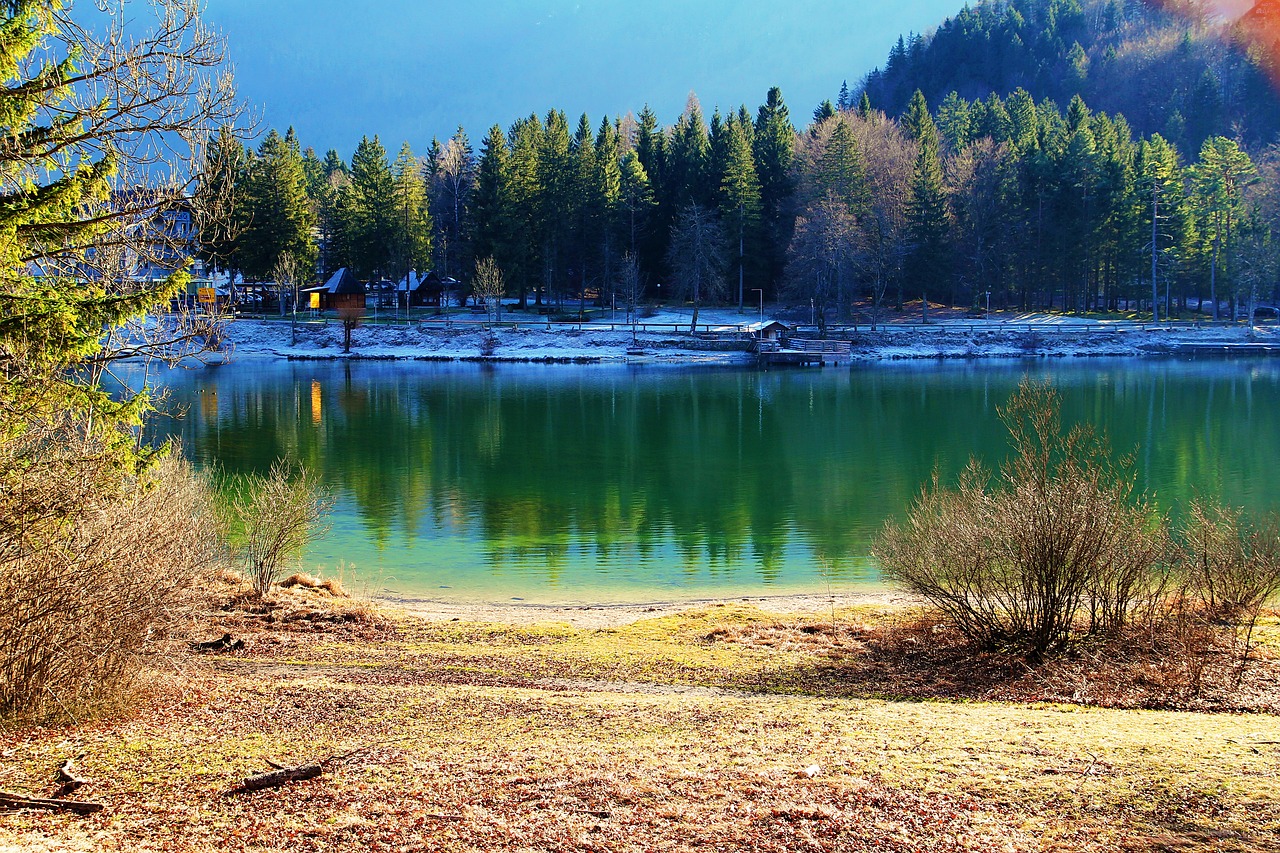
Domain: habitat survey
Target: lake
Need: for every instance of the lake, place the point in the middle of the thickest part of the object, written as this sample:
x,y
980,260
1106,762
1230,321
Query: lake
x,y
623,483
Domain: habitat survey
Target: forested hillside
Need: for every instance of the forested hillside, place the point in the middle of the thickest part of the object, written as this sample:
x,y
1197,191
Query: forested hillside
x,y
1167,67
965,194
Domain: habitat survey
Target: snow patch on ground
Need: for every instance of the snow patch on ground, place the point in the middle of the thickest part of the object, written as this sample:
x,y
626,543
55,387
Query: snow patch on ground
x,y
1021,337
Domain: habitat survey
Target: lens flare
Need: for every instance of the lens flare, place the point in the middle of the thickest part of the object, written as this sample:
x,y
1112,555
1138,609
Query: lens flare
x,y
1259,29
1254,24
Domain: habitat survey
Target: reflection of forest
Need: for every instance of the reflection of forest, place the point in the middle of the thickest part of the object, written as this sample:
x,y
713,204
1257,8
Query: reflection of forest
x,y
726,466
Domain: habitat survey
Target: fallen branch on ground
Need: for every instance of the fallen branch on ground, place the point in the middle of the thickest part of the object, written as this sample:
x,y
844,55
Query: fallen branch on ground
x,y
10,801
222,644
282,775
279,776
70,781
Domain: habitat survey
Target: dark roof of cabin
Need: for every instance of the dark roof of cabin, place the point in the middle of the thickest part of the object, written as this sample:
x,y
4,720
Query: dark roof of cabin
x,y
343,282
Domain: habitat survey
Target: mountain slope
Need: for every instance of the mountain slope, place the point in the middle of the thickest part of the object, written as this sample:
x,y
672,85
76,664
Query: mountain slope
x,y
1169,68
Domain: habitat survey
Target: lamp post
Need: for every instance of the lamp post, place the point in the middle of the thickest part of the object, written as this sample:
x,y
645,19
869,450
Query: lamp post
x,y
988,306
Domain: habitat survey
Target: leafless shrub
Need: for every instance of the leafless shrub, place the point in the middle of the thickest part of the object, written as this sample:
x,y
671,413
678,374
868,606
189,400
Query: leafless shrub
x,y
270,519
1054,546
1231,570
350,316
489,287
93,572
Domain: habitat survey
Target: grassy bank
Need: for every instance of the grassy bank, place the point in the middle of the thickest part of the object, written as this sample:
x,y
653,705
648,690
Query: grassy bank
x,y
723,727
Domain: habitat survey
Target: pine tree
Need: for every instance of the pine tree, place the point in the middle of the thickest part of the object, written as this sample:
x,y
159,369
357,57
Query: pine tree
x,y
954,122
774,152
1219,178
651,152
586,206
739,200
609,197
224,184
555,181
492,208
635,199
367,211
688,159
917,119
280,215
525,140
412,230
927,213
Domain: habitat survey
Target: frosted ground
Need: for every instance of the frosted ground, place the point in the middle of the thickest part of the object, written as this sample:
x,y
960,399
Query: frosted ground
x,y
665,337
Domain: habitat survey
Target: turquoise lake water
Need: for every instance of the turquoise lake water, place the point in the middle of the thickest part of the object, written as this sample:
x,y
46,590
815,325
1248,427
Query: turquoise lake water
x,y
616,483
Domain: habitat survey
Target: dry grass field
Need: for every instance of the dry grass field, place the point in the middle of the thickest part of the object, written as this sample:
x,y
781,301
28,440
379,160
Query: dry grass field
x,y
720,728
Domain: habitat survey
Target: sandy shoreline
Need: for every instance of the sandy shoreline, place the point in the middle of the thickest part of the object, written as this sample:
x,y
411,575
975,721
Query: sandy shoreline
x,y
612,615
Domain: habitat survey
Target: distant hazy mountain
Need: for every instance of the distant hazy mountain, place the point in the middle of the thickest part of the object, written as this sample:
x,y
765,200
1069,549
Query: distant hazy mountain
x,y
1180,67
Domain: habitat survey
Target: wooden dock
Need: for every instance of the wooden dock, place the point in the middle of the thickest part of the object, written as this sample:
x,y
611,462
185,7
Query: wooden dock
x,y
802,351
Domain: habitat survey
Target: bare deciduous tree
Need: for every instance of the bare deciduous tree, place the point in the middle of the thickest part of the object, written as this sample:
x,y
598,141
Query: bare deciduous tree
x,y
696,257
489,287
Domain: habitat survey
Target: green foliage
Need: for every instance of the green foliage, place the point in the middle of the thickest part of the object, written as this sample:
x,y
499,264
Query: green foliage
x,y
277,212
412,229
366,211
97,546
1145,60
928,214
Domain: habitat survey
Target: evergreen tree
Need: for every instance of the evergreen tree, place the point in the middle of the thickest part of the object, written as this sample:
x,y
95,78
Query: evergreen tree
x,y
917,119
1219,178
652,155
556,184
492,207
279,211
412,232
954,122
688,159
635,199
774,152
333,164
739,199
224,184
525,140
927,214
367,211
586,206
609,197
824,111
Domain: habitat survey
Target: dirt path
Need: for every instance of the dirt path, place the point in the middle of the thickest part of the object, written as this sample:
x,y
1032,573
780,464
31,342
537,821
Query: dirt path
x,y
615,615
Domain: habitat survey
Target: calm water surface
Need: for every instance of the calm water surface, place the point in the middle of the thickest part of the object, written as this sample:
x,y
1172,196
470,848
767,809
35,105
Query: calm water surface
x,y
591,483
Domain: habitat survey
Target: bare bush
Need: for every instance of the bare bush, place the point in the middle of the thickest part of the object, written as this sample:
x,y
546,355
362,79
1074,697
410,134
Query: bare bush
x,y
93,572
1053,546
351,317
1231,569
489,288
269,521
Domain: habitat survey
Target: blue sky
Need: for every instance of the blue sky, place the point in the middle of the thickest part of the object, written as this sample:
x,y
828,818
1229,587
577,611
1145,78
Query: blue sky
x,y
406,70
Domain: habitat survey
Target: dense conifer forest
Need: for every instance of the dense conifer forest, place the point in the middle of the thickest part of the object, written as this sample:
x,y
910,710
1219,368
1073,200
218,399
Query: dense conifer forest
x,y
1082,155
